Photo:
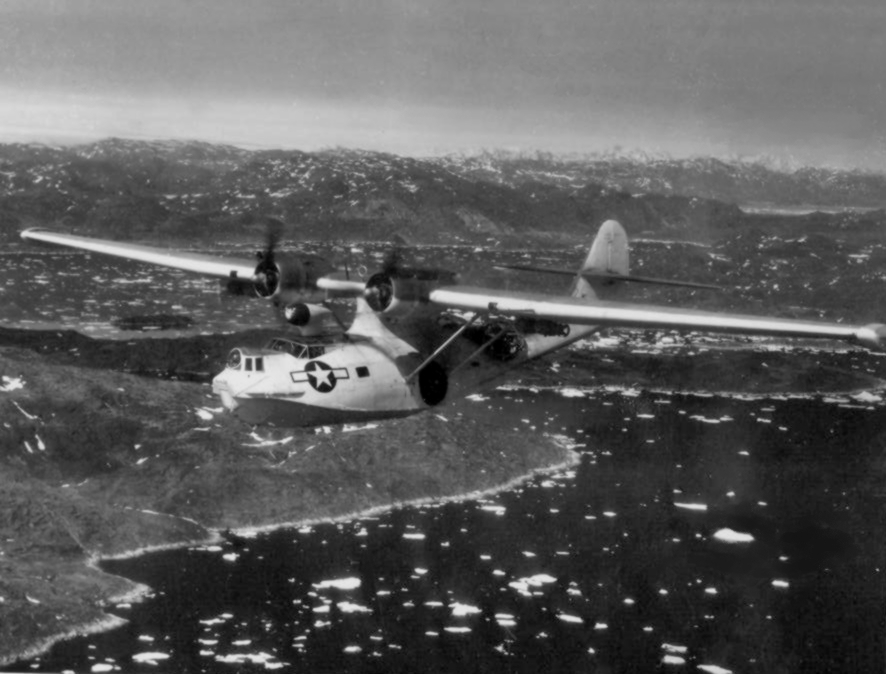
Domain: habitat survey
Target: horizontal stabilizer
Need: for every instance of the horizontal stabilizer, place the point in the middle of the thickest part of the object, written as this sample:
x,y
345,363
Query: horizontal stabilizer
x,y
591,274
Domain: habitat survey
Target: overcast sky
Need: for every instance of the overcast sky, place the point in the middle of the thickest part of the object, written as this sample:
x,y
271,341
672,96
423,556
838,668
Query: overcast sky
x,y
798,80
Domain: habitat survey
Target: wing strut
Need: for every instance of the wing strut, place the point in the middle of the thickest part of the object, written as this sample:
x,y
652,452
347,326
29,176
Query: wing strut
x,y
440,349
489,342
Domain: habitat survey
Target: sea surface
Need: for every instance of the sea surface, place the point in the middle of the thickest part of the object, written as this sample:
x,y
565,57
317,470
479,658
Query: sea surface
x,y
699,532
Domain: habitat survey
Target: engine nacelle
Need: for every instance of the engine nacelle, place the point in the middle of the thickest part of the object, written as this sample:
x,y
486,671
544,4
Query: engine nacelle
x,y
286,277
311,319
389,294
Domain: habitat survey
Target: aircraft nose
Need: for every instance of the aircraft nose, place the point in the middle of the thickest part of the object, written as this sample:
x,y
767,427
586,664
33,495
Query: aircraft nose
x,y
221,388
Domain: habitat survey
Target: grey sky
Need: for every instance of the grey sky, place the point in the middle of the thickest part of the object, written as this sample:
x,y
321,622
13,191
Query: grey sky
x,y
790,78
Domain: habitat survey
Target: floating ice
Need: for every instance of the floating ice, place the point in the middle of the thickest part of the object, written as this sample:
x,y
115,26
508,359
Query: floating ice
x,y
780,583
566,618
572,393
714,669
352,649
102,667
414,536
674,648
243,658
339,584
728,535
522,585
691,506
150,658
348,607
669,659
457,630
461,610
493,508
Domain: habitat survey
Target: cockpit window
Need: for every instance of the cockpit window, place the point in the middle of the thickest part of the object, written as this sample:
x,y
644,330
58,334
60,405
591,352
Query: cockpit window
x,y
234,360
316,351
292,348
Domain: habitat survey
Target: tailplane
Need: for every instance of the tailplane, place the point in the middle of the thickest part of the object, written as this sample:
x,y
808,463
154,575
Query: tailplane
x,y
607,264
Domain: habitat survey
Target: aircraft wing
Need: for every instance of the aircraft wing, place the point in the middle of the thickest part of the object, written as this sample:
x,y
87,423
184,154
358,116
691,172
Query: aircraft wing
x,y
239,269
581,311
208,265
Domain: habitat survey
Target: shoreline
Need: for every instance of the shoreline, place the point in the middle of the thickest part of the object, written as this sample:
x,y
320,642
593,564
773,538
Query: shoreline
x,y
139,592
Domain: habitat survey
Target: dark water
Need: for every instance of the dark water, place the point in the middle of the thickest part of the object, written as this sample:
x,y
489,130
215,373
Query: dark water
x,y
697,534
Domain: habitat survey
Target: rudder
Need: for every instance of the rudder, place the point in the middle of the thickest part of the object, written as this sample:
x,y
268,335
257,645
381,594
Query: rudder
x,y
608,255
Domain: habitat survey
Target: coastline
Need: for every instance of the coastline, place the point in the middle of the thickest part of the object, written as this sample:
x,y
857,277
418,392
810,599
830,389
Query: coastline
x,y
138,592
100,464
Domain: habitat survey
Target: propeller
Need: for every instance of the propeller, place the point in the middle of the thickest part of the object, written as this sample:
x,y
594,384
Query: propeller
x,y
266,276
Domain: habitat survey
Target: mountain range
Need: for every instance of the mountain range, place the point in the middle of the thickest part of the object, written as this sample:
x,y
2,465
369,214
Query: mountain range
x,y
137,189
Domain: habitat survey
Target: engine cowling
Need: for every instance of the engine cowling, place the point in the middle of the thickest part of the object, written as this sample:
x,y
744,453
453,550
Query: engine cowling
x,y
389,294
311,319
286,277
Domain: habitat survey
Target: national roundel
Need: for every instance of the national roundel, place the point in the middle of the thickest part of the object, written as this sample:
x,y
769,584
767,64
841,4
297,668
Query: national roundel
x,y
320,376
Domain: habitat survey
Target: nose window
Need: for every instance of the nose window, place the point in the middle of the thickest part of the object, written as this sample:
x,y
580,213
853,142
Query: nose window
x,y
234,360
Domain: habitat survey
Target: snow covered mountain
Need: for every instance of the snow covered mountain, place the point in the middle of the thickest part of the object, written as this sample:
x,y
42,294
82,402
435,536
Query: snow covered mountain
x,y
742,181
136,189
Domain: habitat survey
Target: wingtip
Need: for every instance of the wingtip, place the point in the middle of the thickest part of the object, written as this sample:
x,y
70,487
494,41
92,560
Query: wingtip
x,y
872,336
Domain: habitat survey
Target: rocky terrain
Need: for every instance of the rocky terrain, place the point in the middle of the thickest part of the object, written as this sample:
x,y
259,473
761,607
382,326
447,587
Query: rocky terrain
x,y
748,182
134,189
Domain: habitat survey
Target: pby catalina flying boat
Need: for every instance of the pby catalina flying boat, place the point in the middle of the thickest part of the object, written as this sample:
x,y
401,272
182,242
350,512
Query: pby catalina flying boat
x,y
419,338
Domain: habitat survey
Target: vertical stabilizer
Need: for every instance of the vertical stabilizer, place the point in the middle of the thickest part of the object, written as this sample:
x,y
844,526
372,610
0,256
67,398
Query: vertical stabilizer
x,y
609,252
608,256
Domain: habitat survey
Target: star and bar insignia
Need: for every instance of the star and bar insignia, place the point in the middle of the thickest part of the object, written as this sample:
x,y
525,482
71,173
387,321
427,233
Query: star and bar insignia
x,y
320,376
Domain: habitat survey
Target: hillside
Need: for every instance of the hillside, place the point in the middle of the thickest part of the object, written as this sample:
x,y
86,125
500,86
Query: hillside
x,y
745,182
148,190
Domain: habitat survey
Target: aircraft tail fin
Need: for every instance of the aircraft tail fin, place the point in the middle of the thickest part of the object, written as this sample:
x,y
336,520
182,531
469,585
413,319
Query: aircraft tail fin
x,y
608,256
609,252
607,266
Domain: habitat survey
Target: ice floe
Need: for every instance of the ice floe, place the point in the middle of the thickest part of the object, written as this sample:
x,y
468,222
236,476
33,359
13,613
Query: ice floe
x,y
728,535
460,610
150,658
339,584
523,585
701,507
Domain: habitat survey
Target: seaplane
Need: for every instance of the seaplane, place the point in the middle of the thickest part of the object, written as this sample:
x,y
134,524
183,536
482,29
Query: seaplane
x,y
419,338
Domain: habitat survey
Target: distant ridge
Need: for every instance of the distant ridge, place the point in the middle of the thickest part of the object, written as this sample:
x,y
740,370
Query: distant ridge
x,y
183,189
749,180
